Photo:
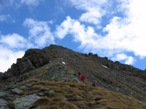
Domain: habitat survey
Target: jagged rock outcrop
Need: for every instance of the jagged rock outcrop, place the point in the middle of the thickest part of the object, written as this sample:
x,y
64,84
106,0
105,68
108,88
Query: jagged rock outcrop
x,y
1,74
118,66
33,58
37,57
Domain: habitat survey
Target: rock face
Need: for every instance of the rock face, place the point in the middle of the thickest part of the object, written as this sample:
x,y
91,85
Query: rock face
x,y
56,63
26,102
60,72
33,58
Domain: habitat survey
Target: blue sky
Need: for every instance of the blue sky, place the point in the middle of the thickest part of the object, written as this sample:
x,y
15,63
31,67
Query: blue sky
x,y
111,28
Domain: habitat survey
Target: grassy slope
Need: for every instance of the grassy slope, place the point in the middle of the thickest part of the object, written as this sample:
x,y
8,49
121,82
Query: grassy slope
x,y
71,95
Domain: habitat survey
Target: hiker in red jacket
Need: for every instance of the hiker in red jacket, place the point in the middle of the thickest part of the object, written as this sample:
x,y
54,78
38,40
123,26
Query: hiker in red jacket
x,y
82,77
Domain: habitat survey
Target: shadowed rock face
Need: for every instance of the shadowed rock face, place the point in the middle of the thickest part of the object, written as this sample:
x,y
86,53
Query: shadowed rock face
x,y
62,64
33,58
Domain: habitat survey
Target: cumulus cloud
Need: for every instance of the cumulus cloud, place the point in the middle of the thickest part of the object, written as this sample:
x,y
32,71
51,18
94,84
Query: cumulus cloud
x,y
81,33
63,29
14,41
7,57
92,16
130,60
122,56
39,32
12,46
128,33
124,27
93,10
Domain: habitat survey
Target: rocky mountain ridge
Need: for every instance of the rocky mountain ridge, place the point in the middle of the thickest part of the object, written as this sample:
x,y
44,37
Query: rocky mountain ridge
x,y
56,63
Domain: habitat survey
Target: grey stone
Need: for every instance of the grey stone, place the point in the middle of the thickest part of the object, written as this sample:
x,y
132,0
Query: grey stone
x,y
3,104
25,102
2,94
17,91
60,72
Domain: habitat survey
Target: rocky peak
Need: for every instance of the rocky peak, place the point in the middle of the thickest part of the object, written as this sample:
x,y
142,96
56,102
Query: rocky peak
x,y
56,63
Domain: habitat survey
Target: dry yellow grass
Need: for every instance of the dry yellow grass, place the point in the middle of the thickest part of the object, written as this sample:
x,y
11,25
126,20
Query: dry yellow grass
x,y
71,95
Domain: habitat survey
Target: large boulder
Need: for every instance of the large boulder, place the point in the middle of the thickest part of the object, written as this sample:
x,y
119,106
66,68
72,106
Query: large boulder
x,y
26,102
33,58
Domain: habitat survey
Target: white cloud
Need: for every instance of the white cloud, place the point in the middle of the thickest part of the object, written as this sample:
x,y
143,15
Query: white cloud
x,y
14,41
92,16
130,60
124,28
39,32
93,10
64,27
85,35
121,56
129,33
11,46
8,57
127,59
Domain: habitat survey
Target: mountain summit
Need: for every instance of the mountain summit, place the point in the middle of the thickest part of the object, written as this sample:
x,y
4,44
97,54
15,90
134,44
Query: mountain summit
x,y
54,69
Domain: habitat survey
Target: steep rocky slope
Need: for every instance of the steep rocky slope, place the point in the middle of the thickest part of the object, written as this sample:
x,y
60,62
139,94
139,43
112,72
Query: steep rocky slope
x,y
56,63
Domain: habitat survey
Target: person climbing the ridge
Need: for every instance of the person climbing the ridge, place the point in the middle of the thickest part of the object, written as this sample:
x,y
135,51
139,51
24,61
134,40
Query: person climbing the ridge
x,y
82,77
94,83
78,74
